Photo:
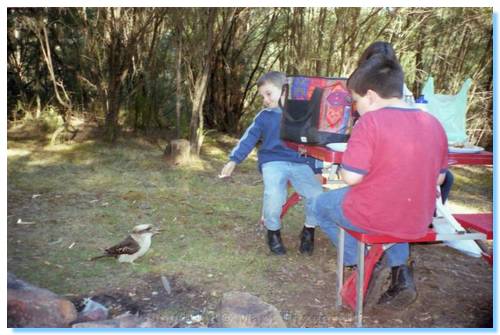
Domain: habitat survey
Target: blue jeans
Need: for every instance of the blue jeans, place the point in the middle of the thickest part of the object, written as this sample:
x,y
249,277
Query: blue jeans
x,y
446,185
330,216
276,176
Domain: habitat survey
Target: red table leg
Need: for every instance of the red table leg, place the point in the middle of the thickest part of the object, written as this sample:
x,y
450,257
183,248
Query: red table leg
x,y
291,201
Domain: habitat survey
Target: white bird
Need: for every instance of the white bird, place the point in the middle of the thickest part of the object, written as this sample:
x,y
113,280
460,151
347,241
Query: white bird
x,y
133,246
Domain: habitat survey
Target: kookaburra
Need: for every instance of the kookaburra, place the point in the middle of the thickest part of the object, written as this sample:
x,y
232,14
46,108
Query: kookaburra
x,y
133,246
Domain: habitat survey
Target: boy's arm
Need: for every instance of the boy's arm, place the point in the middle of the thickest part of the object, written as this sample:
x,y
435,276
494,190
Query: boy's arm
x,y
350,177
356,161
243,148
248,141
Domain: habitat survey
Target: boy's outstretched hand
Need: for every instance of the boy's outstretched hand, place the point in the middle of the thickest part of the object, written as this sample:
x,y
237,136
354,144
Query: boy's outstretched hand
x,y
227,170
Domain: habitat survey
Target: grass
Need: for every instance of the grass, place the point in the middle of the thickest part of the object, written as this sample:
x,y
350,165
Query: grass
x,y
84,196
90,195
473,189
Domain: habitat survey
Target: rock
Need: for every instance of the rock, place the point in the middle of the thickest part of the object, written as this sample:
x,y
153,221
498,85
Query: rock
x,y
97,324
34,307
166,285
144,205
93,311
243,310
125,320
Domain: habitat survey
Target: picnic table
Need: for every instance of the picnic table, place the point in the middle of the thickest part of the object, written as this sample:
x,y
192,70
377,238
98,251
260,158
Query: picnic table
x,y
335,157
482,222
351,292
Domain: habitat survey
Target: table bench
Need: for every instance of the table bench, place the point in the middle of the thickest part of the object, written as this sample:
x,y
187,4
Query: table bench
x,y
352,292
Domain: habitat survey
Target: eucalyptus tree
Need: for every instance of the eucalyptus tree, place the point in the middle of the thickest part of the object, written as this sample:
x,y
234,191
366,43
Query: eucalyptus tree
x,y
202,31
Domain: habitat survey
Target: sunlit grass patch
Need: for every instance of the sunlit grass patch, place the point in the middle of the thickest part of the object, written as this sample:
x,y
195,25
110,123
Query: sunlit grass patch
x,y
473,188
18,152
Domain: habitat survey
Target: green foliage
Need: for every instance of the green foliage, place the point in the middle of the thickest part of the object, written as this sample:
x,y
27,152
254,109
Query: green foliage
x,y
129,63
50,119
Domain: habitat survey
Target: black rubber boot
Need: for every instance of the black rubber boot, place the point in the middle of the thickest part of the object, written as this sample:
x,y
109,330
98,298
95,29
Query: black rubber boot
x,y
379,282
402,291
274,241
307,241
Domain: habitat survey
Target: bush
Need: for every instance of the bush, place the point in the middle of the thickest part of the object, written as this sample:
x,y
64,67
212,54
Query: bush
x,y
50,120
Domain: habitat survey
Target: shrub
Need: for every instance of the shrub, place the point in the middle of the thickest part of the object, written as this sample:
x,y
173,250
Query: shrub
x,y
50,120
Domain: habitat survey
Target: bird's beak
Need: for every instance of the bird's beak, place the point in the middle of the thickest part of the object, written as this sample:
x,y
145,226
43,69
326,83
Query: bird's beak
x,y
157,231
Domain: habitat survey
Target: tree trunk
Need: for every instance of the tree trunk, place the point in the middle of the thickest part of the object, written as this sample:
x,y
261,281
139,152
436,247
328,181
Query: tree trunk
x,y
196,125
40,30
321,27
419,64
113,104
178,87
123,37
114,86
250,81
200,90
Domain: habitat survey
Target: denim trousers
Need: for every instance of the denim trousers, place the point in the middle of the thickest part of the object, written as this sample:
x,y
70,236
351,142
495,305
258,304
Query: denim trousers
x,y
329,214
446,185
276,176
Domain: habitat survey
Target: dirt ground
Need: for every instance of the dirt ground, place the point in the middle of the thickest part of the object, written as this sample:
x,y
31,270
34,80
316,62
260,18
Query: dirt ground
x,y
457,296
454,290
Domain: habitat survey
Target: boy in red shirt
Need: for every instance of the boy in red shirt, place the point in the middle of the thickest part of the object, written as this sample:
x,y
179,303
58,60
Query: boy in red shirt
x,y
395,157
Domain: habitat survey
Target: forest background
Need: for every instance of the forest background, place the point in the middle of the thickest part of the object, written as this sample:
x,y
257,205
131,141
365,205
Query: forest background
x,y
189,71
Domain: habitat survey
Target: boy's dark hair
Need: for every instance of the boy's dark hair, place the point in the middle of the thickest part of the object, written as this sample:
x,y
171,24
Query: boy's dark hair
x,y
276,78
378,48
379,74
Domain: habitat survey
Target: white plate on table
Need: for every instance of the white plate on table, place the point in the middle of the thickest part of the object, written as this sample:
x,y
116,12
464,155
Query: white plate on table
x,y
341,147
465,150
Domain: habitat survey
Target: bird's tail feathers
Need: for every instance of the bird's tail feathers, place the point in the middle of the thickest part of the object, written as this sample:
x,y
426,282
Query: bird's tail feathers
x,y
97,257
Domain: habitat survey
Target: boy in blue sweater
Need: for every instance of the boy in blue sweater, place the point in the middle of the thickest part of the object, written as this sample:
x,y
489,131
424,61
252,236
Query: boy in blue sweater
x,y
278,165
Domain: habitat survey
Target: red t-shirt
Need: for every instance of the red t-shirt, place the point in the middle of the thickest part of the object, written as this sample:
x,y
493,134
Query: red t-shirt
x,y
400,152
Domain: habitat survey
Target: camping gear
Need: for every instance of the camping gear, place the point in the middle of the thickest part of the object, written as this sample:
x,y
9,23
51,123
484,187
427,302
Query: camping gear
x,y
450,110
317,110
